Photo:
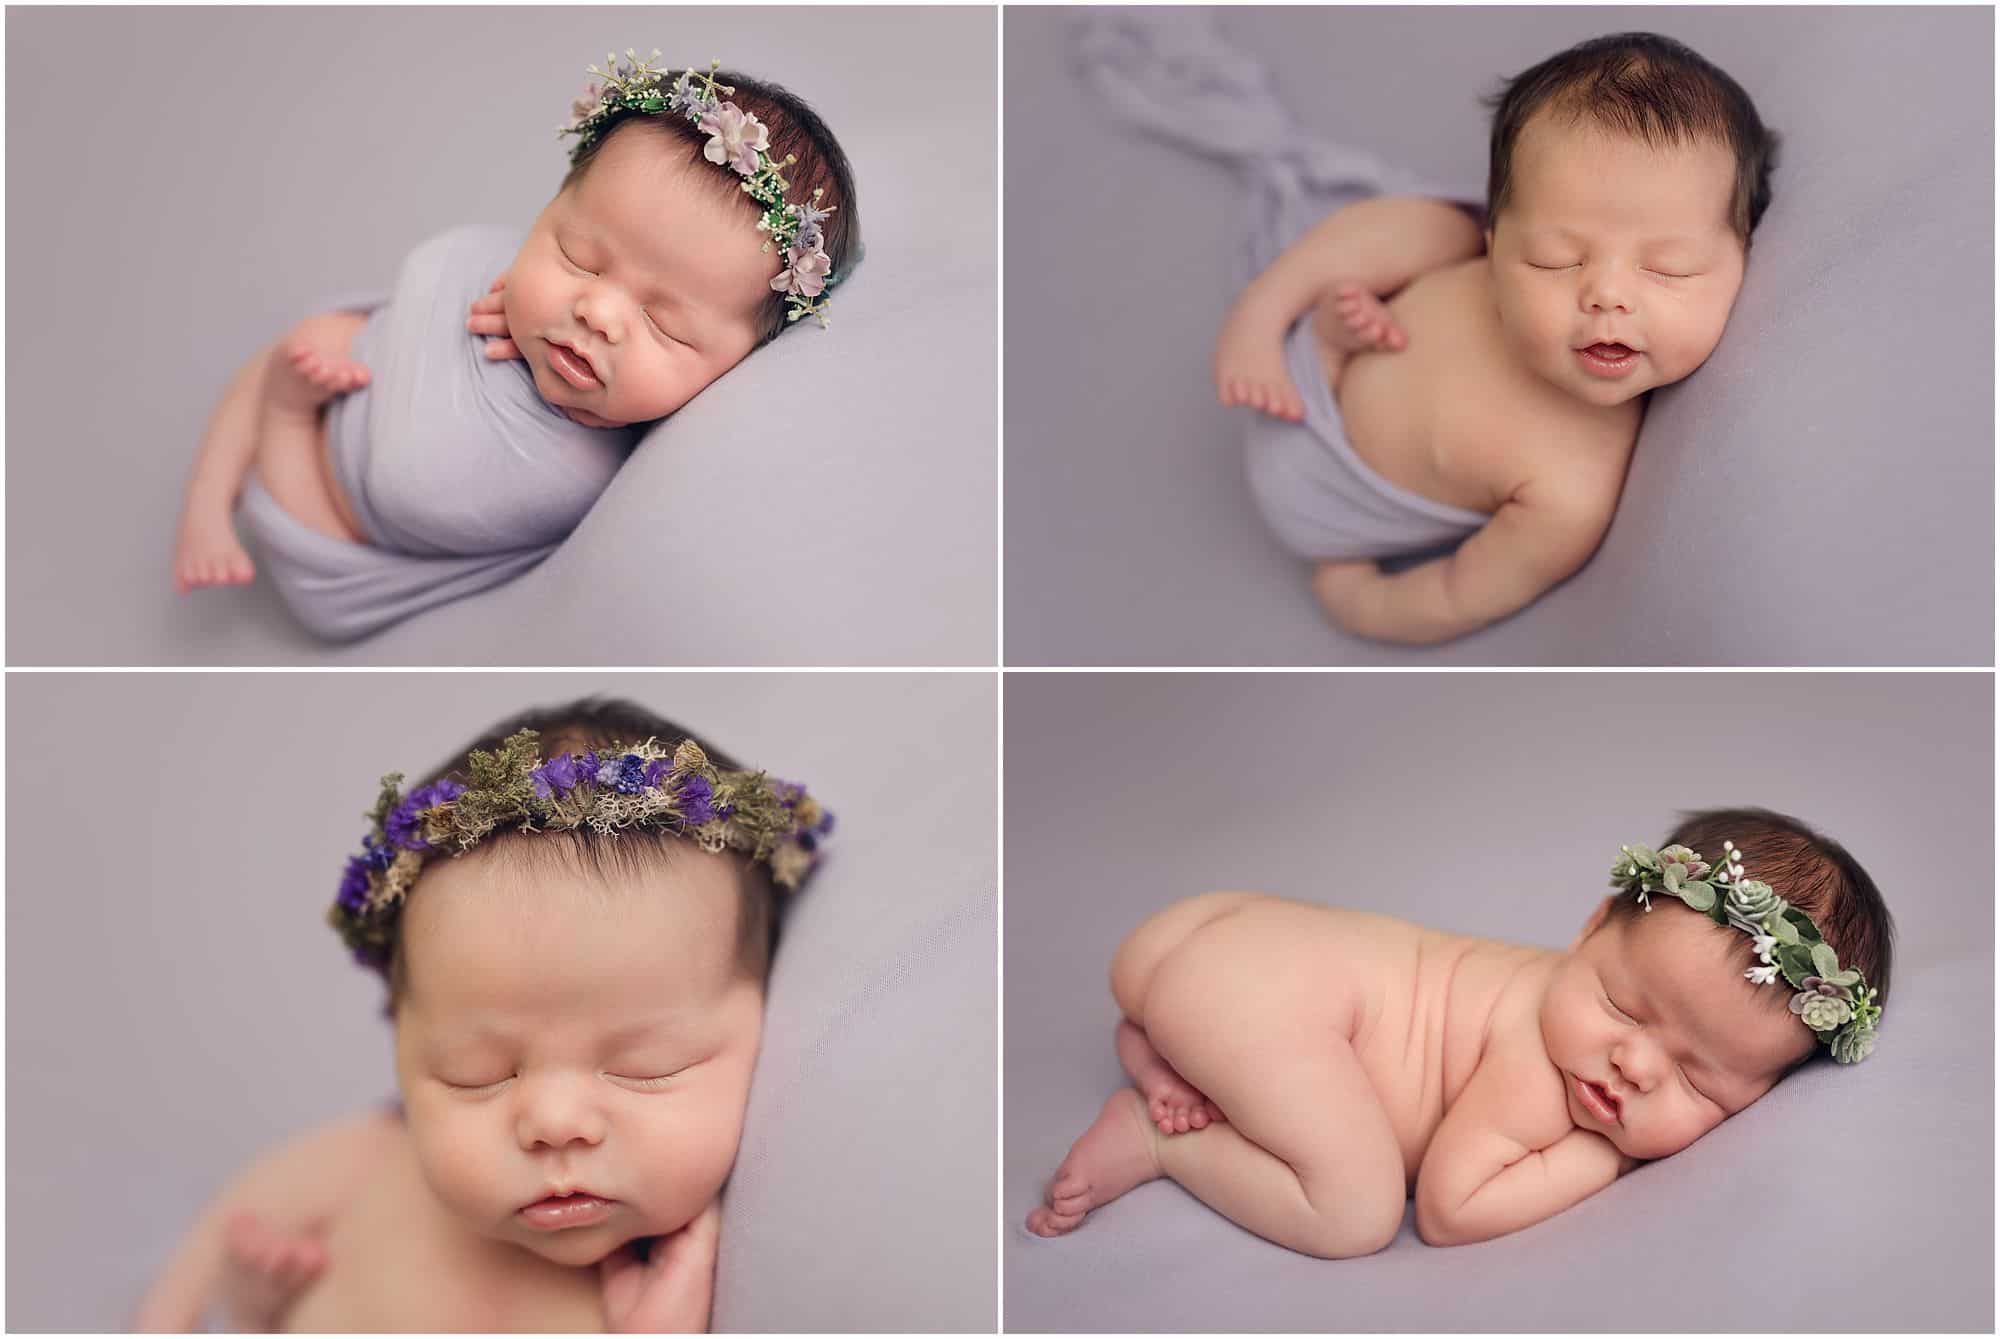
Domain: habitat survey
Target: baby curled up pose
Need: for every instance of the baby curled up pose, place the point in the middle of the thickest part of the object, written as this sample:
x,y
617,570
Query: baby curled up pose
x,y
574,919
1303,1070
413,447
1428,378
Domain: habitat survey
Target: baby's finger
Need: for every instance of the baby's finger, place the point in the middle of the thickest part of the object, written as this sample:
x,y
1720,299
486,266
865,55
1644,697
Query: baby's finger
x,y
487,323
498,284
501,349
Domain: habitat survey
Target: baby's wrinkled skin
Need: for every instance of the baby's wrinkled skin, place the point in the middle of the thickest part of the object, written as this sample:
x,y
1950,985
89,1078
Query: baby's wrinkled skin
x,y
648,267
1341,1062
560,1035
1453,355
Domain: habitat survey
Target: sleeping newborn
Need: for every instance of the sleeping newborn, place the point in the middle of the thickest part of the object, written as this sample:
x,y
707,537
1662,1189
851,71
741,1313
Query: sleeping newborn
x,y
1427,378
1303,1069
388,458
574,919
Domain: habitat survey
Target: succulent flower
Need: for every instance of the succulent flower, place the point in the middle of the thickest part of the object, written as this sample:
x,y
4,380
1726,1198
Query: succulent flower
x,y
1855,1043
736,136
1821,1012
1692,865
1753,900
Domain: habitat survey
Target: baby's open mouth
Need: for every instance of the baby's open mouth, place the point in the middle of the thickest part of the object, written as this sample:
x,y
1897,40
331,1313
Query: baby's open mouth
x,y
1609,350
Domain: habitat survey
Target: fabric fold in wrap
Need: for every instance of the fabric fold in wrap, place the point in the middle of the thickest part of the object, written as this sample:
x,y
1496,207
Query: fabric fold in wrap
x,y
1169,73
460,475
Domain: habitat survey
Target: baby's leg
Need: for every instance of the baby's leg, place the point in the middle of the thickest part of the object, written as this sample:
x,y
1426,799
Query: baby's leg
x,y
206,550
310,367
1309,1158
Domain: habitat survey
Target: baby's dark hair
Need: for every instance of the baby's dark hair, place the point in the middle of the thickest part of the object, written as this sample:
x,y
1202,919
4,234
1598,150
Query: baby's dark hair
x,y
1812,872
590,723
1646,86
793,128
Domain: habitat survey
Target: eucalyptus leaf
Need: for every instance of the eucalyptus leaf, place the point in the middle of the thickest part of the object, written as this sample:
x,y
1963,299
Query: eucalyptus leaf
x,y
1825,961
1698,895
1671,877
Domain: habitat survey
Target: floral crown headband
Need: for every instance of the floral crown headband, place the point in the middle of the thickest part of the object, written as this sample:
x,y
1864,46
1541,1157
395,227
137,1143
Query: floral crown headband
x,y
737,140
1837,1005
621,786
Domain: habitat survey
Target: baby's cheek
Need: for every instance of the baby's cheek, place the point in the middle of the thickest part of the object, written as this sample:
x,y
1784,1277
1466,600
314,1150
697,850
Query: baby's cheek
x,y
453,1169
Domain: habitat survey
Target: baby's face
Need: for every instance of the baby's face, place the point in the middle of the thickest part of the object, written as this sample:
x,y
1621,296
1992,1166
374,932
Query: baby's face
x,y
1655,1014
648,272
562,1035
1607,240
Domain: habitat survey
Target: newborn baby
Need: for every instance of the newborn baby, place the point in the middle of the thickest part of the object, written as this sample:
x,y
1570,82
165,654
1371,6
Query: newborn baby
x,y
577,1013
1431,378
1303,1069
386,465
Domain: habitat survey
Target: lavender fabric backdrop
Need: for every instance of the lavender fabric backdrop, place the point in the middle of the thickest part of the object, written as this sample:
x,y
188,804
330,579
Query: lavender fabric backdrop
x,y
176,1001
830,501
1820,493
1491,805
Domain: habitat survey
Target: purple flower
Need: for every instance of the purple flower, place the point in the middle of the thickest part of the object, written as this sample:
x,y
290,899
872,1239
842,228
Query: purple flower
x,y
825,824
737,136
558,775
354,886
626,775
789,793
404,825
697,800
656,769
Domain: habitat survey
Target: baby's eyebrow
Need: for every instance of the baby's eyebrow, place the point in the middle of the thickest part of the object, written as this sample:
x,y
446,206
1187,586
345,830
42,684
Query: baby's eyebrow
x,y
1665,239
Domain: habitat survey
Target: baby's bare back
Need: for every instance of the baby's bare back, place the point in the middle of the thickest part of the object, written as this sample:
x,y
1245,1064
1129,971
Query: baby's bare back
x,y
1416,1004
1455,417
396,1260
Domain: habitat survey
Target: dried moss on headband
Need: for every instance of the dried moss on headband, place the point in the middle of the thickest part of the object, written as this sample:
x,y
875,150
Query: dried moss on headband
x,y
608,790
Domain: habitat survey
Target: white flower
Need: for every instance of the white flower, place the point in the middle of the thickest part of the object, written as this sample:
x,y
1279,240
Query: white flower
x,y
1763,976
738,137
1763,944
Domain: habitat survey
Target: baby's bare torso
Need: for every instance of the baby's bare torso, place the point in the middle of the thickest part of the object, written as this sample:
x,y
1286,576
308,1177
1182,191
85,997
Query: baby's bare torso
x,y
1455,417
397,1261
1421,1007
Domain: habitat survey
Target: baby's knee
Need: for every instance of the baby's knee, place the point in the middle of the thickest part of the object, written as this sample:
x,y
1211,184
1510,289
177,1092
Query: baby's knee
x,y
1359,1228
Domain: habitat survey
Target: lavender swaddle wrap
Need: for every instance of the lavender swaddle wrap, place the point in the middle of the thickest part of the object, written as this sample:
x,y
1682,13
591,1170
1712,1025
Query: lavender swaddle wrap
x,y
1167,72
460,474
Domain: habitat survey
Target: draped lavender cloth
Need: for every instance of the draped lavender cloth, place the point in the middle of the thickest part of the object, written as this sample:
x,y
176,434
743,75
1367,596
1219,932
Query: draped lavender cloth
x,y
1167,72
460,474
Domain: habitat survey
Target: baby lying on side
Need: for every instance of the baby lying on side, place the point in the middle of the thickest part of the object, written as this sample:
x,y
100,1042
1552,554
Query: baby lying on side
x,y
576,946
1491,381
1303,1070
386,466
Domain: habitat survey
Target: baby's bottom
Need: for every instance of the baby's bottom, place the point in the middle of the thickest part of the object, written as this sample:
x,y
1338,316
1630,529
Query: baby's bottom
x,y
1307,1159
301,373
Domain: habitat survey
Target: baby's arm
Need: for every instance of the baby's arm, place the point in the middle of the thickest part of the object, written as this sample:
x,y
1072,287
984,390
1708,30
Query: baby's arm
x,y
300,1184
1539,537
1380,244
1483,1175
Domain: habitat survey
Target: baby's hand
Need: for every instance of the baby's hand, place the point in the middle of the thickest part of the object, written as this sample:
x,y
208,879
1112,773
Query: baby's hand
x,y
268,1268
1250,365
671,1292
489,317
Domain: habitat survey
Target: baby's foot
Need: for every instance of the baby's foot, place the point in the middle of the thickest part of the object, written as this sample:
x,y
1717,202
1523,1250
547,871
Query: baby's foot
x,y
1250,366
1115,1154
1355,320
209,554
1173,1104
312,365
268,1268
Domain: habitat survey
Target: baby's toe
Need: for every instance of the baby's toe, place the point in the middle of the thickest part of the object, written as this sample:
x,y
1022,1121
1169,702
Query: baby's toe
x,y
1199,1118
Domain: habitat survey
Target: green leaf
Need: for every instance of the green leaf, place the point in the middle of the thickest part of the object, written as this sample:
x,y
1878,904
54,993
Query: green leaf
x,y
1784,931
1825,961
1850,977
1699,895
